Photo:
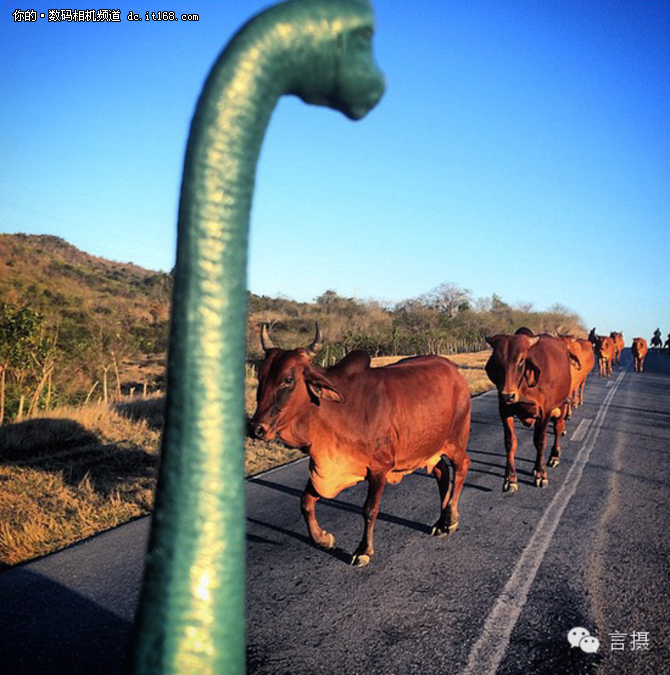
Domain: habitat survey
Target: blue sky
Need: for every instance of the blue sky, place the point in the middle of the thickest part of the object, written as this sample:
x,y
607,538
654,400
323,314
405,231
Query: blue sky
x,y
522,148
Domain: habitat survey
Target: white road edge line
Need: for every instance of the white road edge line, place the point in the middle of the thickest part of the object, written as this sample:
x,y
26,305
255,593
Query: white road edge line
x,y
262,474
488,651
581,430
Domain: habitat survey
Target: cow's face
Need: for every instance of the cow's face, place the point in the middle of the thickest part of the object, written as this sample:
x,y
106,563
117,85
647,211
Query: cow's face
x,y
289,387
511,365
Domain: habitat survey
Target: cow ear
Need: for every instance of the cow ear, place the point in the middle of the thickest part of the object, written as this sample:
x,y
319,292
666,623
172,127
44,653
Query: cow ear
x,y
532,373
575,360
322,387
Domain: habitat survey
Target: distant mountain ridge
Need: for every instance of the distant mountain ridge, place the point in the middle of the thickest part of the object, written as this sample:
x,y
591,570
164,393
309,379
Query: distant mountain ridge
x,y
57,279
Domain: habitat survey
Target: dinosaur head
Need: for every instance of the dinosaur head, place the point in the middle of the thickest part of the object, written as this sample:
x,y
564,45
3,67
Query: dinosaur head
x,y
356,83
322,51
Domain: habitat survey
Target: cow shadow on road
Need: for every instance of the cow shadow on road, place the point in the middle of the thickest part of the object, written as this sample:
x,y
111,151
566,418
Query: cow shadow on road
x,y
337,552
337,504
344,506
480,464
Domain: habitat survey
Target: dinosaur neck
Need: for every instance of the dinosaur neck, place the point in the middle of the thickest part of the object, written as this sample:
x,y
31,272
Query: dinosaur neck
x,y
194,578
216,197
205,401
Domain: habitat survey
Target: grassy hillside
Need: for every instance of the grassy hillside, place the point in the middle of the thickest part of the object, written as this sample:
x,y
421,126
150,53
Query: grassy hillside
x,y
73,325
60,281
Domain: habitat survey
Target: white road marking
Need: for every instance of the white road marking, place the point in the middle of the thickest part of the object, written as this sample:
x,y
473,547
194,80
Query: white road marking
x,y
580,431
489,649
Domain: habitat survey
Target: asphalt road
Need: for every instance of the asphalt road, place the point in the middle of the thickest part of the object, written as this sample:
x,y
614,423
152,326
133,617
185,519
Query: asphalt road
x,y
499,596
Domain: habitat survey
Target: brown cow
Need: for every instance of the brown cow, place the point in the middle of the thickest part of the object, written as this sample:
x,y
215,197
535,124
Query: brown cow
x,y
619,345
605,354
582,362
361,423
532,375
639,349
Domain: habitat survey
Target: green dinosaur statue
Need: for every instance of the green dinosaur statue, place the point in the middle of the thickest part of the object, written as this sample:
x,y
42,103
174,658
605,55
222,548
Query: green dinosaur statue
x,y
191,614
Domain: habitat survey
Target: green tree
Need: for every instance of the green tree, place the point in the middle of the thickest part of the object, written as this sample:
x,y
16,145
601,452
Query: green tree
x,y
18,345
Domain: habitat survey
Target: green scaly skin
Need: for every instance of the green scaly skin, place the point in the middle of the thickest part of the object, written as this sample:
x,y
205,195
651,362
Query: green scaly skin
x,y
191,615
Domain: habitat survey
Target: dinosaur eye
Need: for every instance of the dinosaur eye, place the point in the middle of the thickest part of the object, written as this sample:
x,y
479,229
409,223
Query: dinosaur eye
x,y
364,33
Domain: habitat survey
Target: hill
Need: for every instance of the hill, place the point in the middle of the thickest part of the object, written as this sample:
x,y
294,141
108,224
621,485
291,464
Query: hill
x,y
71,322
74,326
58,280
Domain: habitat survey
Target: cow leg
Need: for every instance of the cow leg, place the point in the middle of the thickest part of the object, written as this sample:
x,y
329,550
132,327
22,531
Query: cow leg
x,y
320,537
511,481
448,520
540,441
366,548
559,430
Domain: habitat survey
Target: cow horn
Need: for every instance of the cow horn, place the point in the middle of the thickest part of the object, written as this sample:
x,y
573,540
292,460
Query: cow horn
x,y
317,343
266,342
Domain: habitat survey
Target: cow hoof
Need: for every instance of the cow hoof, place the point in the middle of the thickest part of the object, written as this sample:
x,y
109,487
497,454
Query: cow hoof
x,y
510,487
441,531
328,541
553,462
541,482
360,560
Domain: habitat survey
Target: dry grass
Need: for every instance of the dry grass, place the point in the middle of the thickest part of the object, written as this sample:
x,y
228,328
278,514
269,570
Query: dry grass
x,y
66,477
80,471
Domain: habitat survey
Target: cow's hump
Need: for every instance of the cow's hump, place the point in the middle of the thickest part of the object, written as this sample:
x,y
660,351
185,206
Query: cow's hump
x,y
353,363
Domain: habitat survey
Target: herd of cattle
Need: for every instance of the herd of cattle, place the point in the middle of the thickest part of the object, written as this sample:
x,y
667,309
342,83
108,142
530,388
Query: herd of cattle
x,y
360,423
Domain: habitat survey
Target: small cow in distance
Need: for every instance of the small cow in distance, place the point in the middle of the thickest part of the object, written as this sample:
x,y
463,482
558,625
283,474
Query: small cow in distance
x,y
605,349
362,423
532,376
619,345
605,352
639,349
